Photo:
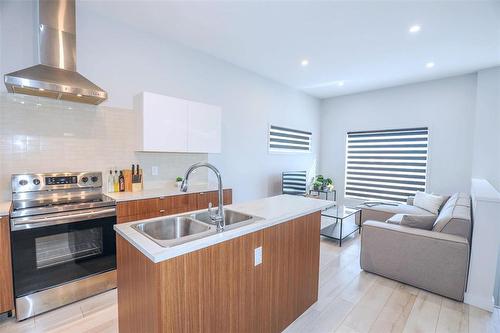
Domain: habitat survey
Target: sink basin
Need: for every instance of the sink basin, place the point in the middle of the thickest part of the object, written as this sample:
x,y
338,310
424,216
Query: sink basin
x,y
174,230
232,218
171,231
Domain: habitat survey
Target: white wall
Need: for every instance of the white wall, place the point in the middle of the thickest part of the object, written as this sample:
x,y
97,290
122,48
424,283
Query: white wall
x,y
486,161
445,106
125,61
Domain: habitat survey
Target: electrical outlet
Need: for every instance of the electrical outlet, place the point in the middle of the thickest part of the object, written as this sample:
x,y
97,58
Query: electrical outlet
x,y
154,171
258,256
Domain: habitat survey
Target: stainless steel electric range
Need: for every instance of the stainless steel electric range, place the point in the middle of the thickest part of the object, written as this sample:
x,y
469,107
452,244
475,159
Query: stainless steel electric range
x,y
63,242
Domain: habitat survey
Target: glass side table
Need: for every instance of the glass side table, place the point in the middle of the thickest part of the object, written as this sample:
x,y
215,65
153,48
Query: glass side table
x,y
340,230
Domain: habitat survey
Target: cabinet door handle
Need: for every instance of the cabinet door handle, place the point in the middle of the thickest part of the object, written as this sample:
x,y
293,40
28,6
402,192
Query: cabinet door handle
x,y
162,210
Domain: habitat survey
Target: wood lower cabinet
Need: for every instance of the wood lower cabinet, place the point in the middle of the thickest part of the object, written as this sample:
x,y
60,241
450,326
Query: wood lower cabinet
x,y
204,198
6,291
218,288
135,210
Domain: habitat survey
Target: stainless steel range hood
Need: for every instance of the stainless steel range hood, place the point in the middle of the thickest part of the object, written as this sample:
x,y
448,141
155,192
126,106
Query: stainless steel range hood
x,y
55,76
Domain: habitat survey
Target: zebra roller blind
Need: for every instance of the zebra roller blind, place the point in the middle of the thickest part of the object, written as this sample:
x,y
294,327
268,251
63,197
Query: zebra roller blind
x,y
386,165
283,139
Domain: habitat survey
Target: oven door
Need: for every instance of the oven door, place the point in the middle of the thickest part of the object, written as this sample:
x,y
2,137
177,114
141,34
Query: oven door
x,y
58,248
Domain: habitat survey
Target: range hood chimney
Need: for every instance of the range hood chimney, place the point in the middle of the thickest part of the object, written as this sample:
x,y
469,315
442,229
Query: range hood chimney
x,y
55,76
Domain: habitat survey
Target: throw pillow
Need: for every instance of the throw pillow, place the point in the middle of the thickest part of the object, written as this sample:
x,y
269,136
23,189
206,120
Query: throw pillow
x,y
429,202
419,221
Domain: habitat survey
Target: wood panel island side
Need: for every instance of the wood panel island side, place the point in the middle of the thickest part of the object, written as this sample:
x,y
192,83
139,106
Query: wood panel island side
x,y
214,284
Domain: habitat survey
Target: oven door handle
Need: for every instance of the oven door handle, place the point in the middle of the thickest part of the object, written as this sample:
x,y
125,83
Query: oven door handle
x,y
38,222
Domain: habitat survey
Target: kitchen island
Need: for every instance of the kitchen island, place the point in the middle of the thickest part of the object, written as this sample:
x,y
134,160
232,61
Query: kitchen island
x,y
255,278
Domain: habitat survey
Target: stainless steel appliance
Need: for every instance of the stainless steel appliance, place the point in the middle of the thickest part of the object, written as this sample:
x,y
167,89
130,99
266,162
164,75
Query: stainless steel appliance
x,y
63,242
55,76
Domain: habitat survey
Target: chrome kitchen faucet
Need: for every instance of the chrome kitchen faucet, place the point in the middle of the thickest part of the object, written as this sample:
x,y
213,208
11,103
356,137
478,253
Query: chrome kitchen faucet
x,y
218,217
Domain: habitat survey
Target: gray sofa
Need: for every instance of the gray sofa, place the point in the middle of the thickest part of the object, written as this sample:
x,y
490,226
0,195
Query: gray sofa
x,y
436,260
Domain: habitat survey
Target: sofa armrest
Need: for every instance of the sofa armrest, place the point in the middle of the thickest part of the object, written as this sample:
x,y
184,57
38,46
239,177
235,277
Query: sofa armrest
x,y
426,259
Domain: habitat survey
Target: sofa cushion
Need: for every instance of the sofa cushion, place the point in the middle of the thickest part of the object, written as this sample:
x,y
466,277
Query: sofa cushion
x,y
429,202
454,219
446,198
425,222
458,199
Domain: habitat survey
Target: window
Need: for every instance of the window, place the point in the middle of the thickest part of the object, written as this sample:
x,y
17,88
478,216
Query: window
x,y
283,139
386,165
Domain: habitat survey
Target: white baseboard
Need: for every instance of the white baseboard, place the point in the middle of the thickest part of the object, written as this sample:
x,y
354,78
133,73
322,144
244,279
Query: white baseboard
x,y
484,303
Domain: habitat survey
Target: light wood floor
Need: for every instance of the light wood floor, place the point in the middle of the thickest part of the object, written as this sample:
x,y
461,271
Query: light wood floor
x,y
350,300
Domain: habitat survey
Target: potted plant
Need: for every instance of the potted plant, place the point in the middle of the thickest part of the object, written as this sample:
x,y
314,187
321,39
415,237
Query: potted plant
x,y
178,181
317,185
322,183
329,184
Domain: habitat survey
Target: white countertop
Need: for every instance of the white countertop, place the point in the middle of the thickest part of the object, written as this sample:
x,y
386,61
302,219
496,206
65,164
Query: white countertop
x,y
4,208
272,210
159,192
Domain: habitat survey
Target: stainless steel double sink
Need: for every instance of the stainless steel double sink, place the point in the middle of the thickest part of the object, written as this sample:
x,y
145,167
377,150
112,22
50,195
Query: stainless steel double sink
x,y
176,230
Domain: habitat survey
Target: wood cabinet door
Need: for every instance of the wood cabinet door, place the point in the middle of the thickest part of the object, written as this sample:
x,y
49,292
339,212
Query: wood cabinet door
x,y
177,204
228,197
290,263
204,198
137,210
6,292
148,208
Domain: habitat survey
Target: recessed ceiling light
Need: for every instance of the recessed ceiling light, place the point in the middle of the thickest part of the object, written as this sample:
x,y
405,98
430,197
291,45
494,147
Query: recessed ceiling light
x,y
304,62
430,64
340,83
414,29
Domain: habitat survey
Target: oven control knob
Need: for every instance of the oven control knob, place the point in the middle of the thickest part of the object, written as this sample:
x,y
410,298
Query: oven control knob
x,y
36,181
94,179
23,182
85,179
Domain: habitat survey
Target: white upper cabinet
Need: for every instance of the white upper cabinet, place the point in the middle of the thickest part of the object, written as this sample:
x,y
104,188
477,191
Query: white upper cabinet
x,y
169,124
204,128
162,123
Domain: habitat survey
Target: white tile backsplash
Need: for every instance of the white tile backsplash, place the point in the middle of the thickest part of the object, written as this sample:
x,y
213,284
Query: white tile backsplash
x,y
43,135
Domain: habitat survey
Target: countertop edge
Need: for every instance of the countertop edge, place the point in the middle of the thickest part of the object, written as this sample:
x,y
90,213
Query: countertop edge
x,y
156,193
5,208
157,254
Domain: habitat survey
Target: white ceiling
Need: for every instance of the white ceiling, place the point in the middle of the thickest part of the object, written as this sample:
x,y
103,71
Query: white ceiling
x,y
365,44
